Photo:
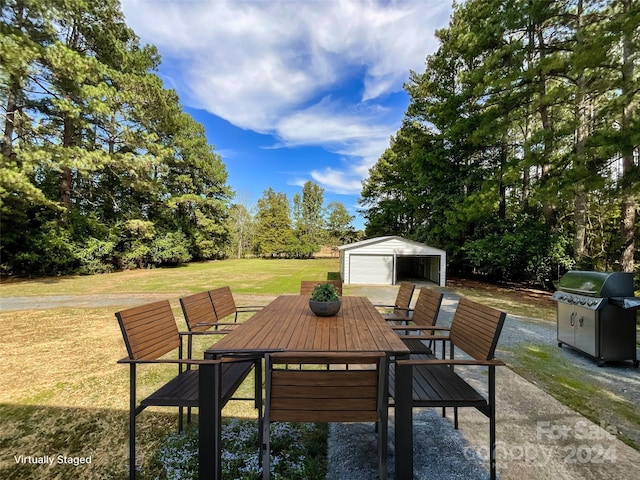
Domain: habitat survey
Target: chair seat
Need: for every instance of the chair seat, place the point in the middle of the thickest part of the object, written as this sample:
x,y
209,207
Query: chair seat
x,y
440,386
417,346
182,391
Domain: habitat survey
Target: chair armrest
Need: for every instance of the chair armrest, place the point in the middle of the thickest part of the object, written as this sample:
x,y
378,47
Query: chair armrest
x,y
418,328
487,363
406,309
183,361
222,331
213,324
250,308
208,332
435,327
385,306
190,361
425,337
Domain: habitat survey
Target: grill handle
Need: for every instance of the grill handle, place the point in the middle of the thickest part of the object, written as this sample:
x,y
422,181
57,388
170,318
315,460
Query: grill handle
x,y
578,291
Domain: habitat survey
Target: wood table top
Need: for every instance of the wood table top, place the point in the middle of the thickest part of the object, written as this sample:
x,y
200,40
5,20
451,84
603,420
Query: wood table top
x,y
287,324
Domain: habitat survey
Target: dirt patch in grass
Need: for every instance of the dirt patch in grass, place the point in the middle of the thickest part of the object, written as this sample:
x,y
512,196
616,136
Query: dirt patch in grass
x,y
516,299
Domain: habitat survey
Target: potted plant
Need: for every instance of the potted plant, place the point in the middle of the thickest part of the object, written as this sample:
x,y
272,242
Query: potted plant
x,y
324,301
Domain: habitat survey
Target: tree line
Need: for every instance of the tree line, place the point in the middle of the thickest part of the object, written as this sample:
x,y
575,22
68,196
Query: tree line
x,y
279,229
101,169
518,152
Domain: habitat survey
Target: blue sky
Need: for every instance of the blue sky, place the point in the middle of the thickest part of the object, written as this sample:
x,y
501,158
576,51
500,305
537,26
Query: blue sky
x,y
294,90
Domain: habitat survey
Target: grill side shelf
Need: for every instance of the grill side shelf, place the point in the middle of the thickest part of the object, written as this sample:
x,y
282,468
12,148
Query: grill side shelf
x,y
628,303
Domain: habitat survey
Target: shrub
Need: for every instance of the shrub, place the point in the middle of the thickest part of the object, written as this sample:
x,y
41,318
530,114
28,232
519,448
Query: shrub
x,y
324,292
48,252
170,249
96,256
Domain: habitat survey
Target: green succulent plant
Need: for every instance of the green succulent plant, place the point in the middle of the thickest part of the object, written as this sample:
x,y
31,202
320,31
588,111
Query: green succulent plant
x,y
325,292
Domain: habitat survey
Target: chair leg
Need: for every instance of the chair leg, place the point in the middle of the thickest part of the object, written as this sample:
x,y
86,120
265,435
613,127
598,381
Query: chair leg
x,y
492,422
132,422
382,426
265,450
132,445
383,447
266,447
258,400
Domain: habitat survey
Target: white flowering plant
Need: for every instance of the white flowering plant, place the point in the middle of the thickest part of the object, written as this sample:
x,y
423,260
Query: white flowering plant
x,y
298,450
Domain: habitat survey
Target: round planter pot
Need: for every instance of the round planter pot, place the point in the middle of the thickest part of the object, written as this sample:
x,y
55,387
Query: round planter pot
x,y
325,309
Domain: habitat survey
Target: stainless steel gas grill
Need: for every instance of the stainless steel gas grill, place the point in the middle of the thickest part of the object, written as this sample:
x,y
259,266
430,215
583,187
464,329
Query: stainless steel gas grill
x,y
597,314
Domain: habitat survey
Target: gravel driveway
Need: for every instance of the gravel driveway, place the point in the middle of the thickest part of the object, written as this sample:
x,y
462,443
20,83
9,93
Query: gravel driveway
x,y
524,404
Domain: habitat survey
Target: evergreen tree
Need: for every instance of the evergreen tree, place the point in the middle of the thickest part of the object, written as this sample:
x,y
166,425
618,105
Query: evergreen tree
x,y
101,169
340,230
518,153
308,215
274,235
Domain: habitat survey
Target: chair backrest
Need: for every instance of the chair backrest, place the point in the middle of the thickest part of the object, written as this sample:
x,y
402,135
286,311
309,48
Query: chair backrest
x,y
198,311
427,307
403,298
307,286
223,302
149,331
326,395
476,329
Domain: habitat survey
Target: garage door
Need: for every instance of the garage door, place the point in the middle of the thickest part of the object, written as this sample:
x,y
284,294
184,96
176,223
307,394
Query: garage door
x,y
371,269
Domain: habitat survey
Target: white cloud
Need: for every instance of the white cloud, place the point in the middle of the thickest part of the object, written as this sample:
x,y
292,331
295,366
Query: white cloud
x,y
270,66
337,181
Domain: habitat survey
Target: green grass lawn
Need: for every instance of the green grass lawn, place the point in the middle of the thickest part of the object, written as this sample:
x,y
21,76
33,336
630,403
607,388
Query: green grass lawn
x,y
249,276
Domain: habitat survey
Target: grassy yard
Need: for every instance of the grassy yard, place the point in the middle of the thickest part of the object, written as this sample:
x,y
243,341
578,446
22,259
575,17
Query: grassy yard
x,y
62,391
256,276
63,394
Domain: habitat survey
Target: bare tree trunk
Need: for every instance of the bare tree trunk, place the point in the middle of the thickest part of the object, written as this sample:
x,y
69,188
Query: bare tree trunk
x,y
630,200
580,112
7,141
502,189
628,235
548,208
66,181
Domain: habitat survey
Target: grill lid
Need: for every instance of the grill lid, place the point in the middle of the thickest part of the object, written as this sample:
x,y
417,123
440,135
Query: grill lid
x,y
597,284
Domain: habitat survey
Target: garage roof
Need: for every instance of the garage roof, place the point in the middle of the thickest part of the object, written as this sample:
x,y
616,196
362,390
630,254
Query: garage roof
x,y
375,240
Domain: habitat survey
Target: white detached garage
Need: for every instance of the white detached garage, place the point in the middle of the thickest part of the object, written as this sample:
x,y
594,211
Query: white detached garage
x,y
388,260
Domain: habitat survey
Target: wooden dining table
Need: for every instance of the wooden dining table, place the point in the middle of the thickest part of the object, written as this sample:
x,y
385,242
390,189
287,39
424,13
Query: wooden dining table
x,y
287,324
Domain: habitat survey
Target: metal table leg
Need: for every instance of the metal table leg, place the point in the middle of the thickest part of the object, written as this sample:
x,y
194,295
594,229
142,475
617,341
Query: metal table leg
x,y
209,423
404,422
